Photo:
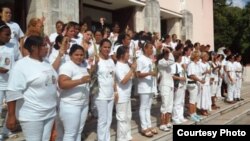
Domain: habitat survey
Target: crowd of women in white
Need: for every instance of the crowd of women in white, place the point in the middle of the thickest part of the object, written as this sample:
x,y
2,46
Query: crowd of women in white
x,y
48,81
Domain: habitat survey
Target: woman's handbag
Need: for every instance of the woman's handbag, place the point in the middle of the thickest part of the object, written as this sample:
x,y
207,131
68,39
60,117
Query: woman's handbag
x,y
176,82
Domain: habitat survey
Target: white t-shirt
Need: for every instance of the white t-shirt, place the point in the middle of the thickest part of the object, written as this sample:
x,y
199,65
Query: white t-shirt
x,y
33,85
16,33
177,68
204,67
124,90
79,94
173,45
105,73
148,83
185,60
165,71
9,54
230,67
52,37
238,68
54,54
194,69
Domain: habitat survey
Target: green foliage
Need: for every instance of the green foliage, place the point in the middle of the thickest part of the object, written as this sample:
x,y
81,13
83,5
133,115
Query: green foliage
x,y
232,26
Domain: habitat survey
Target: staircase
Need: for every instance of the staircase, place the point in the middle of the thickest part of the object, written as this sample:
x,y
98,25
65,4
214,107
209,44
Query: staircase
x,y
227,114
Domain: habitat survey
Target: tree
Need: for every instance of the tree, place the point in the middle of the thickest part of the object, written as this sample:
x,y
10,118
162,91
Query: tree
x,y
231,26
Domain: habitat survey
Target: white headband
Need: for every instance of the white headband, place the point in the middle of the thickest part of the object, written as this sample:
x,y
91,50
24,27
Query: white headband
x,y
2,26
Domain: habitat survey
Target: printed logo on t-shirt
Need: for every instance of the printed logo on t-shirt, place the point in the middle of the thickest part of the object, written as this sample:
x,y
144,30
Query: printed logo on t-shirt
x,y
50,78
5,61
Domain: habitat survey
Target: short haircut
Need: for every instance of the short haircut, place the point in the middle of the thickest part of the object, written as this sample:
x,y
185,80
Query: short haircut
x,y
74,48
33,40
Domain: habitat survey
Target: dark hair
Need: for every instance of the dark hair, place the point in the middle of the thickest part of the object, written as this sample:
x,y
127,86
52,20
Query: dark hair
x,y
121,51
229,57
177,55
237,55
98,30
179,46
58,40
185,49
59,22
5,5
33,40
145,45
120,37
3,25
103,41
161,55
74,48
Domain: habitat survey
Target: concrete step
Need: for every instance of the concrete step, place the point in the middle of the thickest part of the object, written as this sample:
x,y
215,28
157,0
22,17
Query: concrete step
x,y
234,111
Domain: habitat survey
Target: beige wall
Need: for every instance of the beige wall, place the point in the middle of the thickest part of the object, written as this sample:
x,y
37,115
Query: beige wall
x,y
53,11
202,11
203,29
173,5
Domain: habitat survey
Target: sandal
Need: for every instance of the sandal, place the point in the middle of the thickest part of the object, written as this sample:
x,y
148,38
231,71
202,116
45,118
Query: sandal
x,y
215,107
13,136
147,133
154,130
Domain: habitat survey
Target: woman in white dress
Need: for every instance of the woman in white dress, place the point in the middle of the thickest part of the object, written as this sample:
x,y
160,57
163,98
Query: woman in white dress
x,y
230,78
239,72
204,96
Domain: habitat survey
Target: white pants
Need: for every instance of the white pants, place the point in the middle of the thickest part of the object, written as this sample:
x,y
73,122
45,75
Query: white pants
x,y
178,108
123,116
238,88
145,110
218,91
59,128
167,98
37,130
2,96
104,110
230,91
73,118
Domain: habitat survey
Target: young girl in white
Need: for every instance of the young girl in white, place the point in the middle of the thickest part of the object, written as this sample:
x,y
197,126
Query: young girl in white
x,y
105,98
31,95
124,75
179,92
230,78
204,96
166,87
239,71
215,66
146,89
9,54
74,97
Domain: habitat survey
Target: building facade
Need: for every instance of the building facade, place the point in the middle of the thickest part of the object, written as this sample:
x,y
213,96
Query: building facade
x,y
189,19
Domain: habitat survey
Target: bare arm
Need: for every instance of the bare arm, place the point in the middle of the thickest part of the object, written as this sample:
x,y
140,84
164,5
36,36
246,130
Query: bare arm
x,y
11,120
66,82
